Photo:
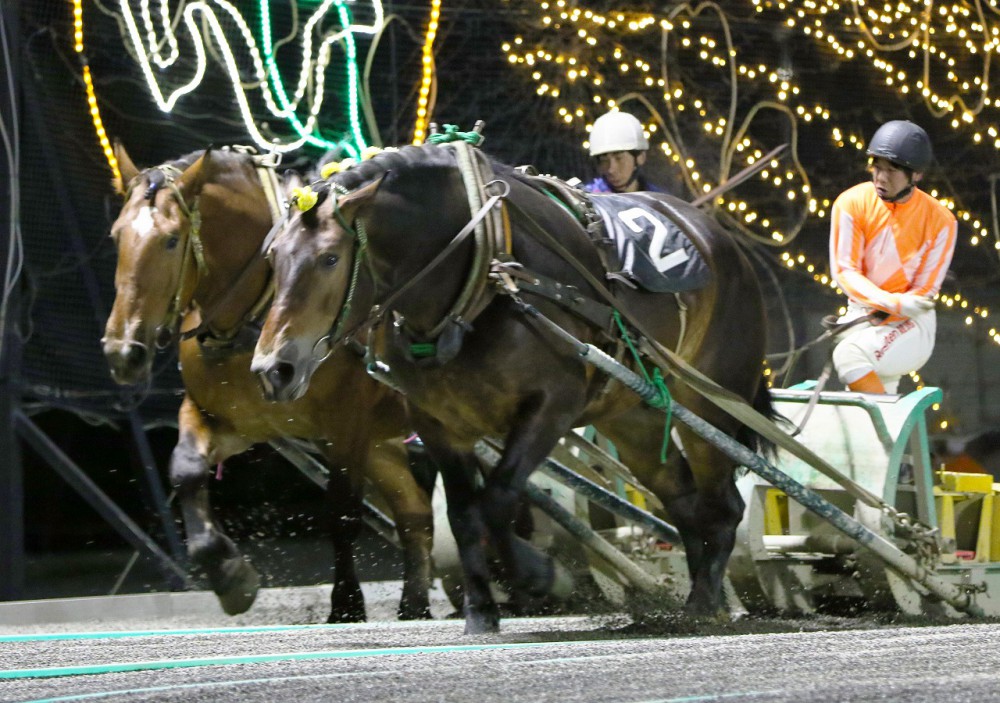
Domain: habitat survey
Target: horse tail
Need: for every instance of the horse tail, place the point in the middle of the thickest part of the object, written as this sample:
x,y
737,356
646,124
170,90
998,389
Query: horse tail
x,y
763,405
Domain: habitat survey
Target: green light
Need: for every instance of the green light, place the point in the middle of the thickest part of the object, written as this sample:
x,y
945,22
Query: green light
x,y
352,73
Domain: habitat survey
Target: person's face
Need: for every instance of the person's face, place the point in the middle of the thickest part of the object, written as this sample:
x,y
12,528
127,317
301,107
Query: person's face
x,y
617,168
888,178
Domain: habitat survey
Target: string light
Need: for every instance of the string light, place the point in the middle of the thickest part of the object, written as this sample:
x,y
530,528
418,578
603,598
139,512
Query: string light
x,y
316,57
595,69
427,74
88,81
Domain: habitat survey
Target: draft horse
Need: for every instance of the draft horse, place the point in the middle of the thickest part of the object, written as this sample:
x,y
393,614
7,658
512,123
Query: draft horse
x,y
492,369
189,240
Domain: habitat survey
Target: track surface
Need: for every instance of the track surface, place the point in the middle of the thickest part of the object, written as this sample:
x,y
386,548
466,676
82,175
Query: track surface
x,y
589,659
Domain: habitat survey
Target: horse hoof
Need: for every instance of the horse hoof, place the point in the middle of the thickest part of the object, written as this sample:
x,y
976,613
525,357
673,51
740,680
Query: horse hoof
x,y
718,615
240,590
342,617
479,622
411,612
347,605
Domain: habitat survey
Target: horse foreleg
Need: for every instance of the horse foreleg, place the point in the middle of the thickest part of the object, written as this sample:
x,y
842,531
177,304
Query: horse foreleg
x,y
530,570
389,470
233,579
347,602
459,472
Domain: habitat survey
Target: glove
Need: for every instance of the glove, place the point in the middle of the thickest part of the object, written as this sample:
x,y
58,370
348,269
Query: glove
x,y
911,305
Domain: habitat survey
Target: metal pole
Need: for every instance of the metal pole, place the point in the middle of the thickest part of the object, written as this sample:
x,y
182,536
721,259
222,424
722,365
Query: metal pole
x,y
97,499
64,202
645,582
11,471
954,595
490,452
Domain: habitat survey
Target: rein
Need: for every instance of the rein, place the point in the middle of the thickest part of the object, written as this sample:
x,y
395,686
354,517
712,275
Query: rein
x,y
491,230
730,403
377,311
833,329
194,247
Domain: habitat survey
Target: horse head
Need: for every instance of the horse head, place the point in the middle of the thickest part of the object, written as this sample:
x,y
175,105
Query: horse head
x,y
316,260
156,271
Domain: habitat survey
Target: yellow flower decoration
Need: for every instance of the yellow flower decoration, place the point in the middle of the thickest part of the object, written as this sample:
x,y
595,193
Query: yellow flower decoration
x,y
304,198
330,169
370,152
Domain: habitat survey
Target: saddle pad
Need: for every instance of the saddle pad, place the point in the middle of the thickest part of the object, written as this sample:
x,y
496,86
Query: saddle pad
x,y
652,251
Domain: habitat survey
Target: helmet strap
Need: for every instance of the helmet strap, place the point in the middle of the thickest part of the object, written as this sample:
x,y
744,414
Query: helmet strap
x,y
901,194
635,173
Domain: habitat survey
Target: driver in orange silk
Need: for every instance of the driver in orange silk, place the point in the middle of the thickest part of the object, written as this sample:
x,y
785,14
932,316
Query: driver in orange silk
x,y
890,247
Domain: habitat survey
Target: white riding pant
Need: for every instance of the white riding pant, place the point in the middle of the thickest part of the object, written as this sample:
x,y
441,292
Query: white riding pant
x,y
891,350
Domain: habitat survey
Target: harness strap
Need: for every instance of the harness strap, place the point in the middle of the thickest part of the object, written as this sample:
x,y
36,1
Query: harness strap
x,y
265,169
520,279
192,248
490,237
723,398
378,311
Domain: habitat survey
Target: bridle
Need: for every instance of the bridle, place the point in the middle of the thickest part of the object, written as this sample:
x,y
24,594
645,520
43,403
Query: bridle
x,y
158,176
193,246
339,331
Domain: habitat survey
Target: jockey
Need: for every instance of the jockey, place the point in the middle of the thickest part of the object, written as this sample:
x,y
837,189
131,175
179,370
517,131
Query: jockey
x,y
618,146
890,247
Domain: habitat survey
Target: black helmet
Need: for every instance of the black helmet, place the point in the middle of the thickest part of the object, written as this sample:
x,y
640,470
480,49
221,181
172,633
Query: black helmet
x,y
903,143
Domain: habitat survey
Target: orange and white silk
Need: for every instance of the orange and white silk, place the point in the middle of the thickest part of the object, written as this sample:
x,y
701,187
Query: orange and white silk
x,y
879,250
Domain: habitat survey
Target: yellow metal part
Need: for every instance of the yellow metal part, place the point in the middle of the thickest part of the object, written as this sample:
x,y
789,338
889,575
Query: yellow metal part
x,y
946,521
775,512
995,526
987,546
634,496
966,483
984,538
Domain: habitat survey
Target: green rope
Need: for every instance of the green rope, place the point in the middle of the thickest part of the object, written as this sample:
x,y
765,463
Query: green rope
x,y
664,402
558,201
361,237
423,350
451,134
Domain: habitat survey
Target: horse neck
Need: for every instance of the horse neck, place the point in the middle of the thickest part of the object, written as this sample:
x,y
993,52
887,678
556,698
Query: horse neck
x,y
395,264
236,274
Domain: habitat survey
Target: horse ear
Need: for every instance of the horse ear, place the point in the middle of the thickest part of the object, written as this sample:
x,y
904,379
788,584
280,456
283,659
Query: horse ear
x,y
191,180
361,195
290,180
126,168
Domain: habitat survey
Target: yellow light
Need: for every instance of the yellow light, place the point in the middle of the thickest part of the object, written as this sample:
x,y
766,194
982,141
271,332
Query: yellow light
x,y
426,79
88,80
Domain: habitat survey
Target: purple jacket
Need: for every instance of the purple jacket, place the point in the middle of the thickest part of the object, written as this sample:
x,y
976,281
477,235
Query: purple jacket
x,y
599,185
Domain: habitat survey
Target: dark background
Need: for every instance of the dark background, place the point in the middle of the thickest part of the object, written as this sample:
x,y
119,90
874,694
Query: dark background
x,y
52,367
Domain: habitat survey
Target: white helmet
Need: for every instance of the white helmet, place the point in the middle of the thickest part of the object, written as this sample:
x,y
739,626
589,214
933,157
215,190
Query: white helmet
x,y
617,131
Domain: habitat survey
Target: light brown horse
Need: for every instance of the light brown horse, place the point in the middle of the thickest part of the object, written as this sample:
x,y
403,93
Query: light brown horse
x,y
496,367
189,238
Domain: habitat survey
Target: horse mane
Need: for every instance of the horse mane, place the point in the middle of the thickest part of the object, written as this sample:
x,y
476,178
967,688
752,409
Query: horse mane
x,y
155,176
425,156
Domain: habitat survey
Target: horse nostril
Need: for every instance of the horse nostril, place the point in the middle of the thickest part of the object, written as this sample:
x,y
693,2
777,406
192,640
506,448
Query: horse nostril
x,y
134,355
281,374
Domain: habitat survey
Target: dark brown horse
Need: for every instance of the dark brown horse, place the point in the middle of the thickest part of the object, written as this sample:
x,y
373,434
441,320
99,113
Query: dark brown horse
x,y
499,371
189,238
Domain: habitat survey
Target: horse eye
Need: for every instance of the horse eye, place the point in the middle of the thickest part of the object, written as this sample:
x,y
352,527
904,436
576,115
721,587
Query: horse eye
x,y
330,260
172,242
